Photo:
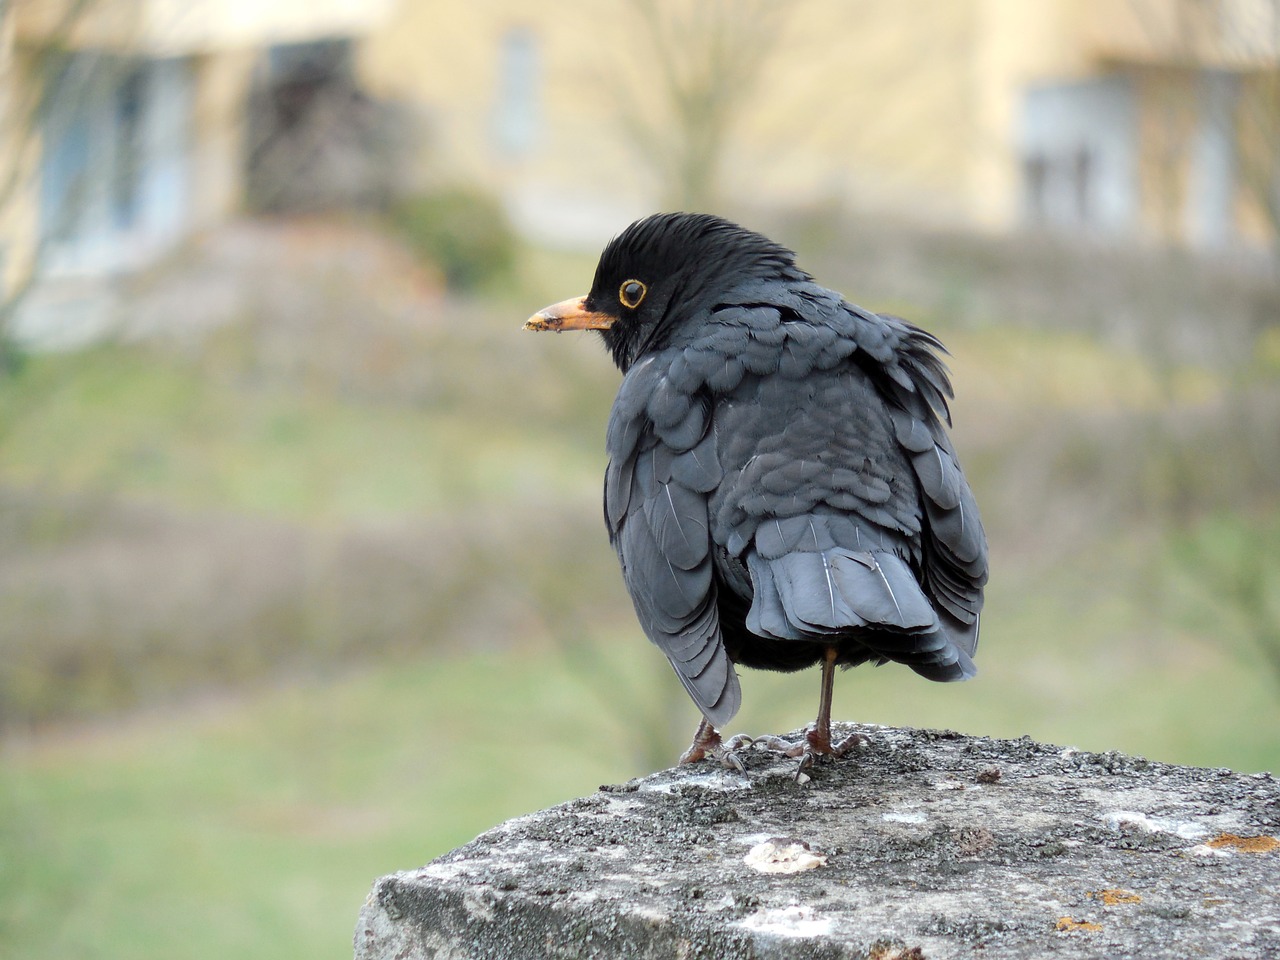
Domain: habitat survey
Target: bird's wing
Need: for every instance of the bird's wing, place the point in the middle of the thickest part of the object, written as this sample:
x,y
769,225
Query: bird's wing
x,y
662,465
953,542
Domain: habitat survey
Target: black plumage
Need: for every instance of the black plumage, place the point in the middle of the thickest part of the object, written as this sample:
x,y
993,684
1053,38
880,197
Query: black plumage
x,y
781,488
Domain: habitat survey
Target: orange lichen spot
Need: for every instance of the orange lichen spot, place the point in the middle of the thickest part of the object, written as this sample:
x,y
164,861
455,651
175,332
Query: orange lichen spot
x,y
890,950
1113,895
1262,844
1072,925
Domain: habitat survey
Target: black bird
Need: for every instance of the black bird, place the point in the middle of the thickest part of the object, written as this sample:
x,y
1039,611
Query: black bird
x,y
781,490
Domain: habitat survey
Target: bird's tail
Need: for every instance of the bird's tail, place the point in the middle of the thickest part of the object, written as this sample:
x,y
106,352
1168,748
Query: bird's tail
x,y
869,597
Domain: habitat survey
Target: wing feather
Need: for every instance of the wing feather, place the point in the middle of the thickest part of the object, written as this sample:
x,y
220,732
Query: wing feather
x,y
656,489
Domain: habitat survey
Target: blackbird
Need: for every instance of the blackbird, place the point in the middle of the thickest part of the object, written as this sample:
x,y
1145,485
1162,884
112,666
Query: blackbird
x,y
781,490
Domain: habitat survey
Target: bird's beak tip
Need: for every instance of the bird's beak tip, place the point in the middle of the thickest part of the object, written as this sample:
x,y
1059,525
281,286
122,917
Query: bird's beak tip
x,y
568,315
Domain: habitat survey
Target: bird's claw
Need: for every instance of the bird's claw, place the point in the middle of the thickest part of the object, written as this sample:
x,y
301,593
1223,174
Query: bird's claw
x,y
853,743
804,768
810,748
815,744
707,745
726,754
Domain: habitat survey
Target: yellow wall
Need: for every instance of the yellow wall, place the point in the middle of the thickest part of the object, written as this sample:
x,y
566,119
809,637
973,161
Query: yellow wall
x,y
218,134
883,104
443,57
19,154
910,106
176,27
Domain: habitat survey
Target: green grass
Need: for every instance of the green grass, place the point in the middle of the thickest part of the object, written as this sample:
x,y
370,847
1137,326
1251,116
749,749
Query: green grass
x,y
252,827
145,426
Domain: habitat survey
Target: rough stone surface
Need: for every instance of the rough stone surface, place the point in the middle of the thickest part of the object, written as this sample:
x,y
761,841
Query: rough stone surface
x,y
936,845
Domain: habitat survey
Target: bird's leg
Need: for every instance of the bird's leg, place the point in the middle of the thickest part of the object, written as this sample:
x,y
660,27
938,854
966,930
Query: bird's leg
x,y
818,738
706,740
707,744
819,735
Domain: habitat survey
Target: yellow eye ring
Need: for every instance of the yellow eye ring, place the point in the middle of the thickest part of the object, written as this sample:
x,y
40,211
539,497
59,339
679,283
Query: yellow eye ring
x,y
631,293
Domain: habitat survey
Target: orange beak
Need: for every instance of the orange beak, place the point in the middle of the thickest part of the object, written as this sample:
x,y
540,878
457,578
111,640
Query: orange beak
x,y
569,314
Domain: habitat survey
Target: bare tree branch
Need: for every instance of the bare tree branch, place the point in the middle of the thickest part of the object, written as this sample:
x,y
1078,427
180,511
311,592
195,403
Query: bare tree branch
x,y
701,62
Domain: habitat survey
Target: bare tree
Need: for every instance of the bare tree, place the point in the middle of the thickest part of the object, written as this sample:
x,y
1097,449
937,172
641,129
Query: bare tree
x,y
693,71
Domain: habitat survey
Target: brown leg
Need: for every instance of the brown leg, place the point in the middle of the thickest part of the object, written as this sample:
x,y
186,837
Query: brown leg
x,y
819,735
707,744
816,742
818,739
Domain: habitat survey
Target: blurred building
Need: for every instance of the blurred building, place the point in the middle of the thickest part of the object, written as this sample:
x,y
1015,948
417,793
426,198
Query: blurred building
x,y
127,124
1199,83
1142,118
124,123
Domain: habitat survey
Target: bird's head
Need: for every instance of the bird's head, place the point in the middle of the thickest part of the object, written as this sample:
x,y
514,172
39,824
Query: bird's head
x,y
662,273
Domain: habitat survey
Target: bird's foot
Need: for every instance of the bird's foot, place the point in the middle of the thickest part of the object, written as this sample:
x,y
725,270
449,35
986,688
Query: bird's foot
x,y
816,743
819,746
822,743
707,745
788,748
813,742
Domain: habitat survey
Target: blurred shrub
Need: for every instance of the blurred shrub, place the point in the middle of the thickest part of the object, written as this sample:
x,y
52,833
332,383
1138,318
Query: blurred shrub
x,y
463,231
12,355
108,603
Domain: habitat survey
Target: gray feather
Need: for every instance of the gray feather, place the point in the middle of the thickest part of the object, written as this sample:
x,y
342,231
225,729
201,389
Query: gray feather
x,y
678,519
881,589
698,468
811,595
767,616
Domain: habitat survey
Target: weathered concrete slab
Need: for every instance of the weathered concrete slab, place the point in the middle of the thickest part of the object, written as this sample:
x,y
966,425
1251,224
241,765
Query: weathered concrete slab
x,y
936,845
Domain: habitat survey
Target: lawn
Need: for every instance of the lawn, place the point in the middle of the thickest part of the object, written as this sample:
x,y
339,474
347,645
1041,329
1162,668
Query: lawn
x,y
252,824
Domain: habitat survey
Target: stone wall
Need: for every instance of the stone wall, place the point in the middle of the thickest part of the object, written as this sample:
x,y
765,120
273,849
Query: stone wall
x,y
927,844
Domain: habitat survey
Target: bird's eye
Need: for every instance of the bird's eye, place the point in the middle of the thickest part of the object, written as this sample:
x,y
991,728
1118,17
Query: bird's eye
x,y
631,293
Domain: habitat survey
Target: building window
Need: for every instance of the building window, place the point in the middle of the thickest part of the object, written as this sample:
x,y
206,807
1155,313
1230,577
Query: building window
x,y
516,114
1211,185
1079,155
128,135
66,130
113,169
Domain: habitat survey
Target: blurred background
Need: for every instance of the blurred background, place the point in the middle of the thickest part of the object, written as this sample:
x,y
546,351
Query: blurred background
x,y
303,577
